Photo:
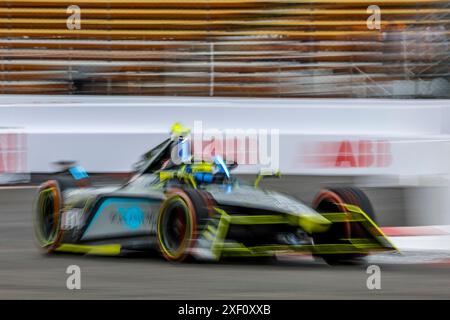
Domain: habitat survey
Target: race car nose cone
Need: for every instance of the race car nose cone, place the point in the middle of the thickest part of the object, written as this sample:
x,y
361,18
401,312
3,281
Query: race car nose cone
x,y
312,223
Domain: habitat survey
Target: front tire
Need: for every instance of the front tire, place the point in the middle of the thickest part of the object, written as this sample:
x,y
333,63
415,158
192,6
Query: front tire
x,y
181,216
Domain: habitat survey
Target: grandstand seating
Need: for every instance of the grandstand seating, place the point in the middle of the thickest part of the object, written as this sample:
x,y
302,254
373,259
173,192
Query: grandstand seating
x,y
273,48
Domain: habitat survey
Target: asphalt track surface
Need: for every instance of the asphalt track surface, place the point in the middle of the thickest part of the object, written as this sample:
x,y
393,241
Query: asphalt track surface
x,y
25,273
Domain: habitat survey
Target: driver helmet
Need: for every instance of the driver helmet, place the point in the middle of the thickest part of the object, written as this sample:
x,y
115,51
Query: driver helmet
x,y
181,151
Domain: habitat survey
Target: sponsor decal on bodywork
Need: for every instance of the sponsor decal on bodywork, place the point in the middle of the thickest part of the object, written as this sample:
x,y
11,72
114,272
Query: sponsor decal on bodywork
x,y
123,216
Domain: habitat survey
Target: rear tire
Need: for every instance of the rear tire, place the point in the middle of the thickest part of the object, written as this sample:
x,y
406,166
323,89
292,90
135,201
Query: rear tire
x,y
331,200
47,216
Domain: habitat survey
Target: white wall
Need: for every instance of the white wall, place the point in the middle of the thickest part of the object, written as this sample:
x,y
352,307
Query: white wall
x,y
110,133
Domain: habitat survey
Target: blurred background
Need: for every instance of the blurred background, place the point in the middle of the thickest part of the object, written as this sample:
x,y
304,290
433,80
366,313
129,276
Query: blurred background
x,y
251,48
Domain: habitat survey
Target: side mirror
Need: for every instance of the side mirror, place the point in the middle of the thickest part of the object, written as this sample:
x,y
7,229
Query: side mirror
x,y
266,174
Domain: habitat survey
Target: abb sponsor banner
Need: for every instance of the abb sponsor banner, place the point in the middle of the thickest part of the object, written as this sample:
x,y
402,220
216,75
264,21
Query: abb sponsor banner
x,y
345,153
13,156
359,155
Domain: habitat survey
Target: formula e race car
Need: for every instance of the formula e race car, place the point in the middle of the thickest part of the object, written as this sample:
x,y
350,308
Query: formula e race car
x,y
199,210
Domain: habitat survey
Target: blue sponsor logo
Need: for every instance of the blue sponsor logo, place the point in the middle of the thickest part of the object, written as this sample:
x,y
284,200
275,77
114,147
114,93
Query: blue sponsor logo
x,y
132,217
